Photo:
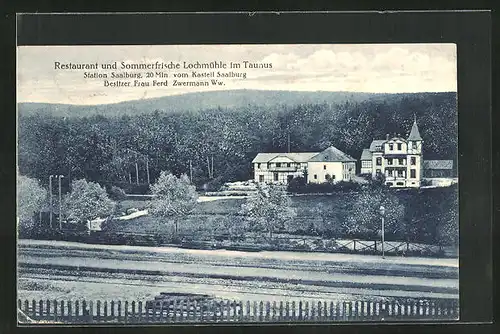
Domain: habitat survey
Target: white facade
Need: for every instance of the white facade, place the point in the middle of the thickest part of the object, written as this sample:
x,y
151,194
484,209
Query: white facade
x,y
331,165
397,158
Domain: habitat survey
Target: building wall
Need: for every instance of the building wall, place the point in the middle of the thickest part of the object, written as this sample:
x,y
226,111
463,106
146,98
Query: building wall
x,y
265,172
321,169
366,167
348,170
375,167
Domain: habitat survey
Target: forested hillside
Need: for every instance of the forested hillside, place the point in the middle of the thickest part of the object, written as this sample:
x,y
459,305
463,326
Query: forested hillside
x,y
98,147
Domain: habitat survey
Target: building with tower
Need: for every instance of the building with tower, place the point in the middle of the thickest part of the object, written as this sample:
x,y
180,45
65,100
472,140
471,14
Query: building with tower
x,y
398,159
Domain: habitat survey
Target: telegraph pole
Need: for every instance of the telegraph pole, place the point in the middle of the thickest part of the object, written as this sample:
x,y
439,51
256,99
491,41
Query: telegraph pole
x,y
382,212
50,196
60,202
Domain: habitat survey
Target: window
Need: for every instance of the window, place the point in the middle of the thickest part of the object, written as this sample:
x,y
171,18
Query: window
x,y
327,177
400,184
389,184
379,161
315,176
288,164
275,176
413,160
391,147
258,165
333,177
278,164
401,161
390,172
400,173
378,171
261,178
324,167
413,173
400,146
389,161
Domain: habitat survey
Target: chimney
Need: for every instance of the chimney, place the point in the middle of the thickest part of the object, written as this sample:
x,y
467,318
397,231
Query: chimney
x,y
387,137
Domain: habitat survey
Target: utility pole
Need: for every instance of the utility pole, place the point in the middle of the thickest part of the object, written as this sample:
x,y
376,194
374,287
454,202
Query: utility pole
x,y
60,202
50,196
382,212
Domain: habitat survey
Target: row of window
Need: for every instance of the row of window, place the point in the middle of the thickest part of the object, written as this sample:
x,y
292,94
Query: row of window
x,y
399,173
400,146
278,164
401,161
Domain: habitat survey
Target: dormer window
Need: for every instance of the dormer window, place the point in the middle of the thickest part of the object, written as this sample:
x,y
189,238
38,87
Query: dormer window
x,y
258,165
399,146
324,167
391,147
278,164
288,164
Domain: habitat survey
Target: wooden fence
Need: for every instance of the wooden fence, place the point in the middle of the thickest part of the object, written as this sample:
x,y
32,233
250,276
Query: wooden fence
x,y
192,311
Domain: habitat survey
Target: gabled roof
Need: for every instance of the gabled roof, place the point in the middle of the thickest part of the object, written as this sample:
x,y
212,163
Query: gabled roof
x,y
438,164
366,155
297,157
414,133
375,143
332,154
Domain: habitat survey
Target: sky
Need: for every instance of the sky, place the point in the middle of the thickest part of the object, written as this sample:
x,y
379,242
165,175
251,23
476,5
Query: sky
x,y
374,68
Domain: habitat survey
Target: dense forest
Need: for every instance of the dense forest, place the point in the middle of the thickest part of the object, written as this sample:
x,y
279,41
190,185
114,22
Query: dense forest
x,y
106,147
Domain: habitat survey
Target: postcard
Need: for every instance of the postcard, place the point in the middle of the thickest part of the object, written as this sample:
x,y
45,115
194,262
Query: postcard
x,y
237,183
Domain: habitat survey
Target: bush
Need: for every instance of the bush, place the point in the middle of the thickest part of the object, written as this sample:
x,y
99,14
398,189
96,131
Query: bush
x,y
117,193
301,187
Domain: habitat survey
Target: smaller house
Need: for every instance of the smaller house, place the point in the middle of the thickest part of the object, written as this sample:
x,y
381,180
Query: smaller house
x,y
438,168
366,162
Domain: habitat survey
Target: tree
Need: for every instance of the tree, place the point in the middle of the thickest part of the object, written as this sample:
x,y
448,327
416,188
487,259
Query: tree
x,y
364,217
30,198
87,200
268,209
175,197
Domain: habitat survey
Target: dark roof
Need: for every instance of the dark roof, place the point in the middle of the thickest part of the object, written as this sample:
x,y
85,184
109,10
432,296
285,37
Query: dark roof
x,y
414,133
297,157
366,155
438,164
332,154
375,143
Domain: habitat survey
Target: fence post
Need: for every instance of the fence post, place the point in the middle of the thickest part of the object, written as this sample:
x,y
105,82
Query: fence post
x,y
255,310
77,309
287,310
98,310
105,315
281,311
91,311
47,311
26,307
261,310
356,310
306,311
320,311
354,244
84,308
248,311
126,311
70,311
139,311
119,310
294,317
40,309
112,307
55,310
268,311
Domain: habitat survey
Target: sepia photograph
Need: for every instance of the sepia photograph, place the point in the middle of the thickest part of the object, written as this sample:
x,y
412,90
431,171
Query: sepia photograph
x,y
237,183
